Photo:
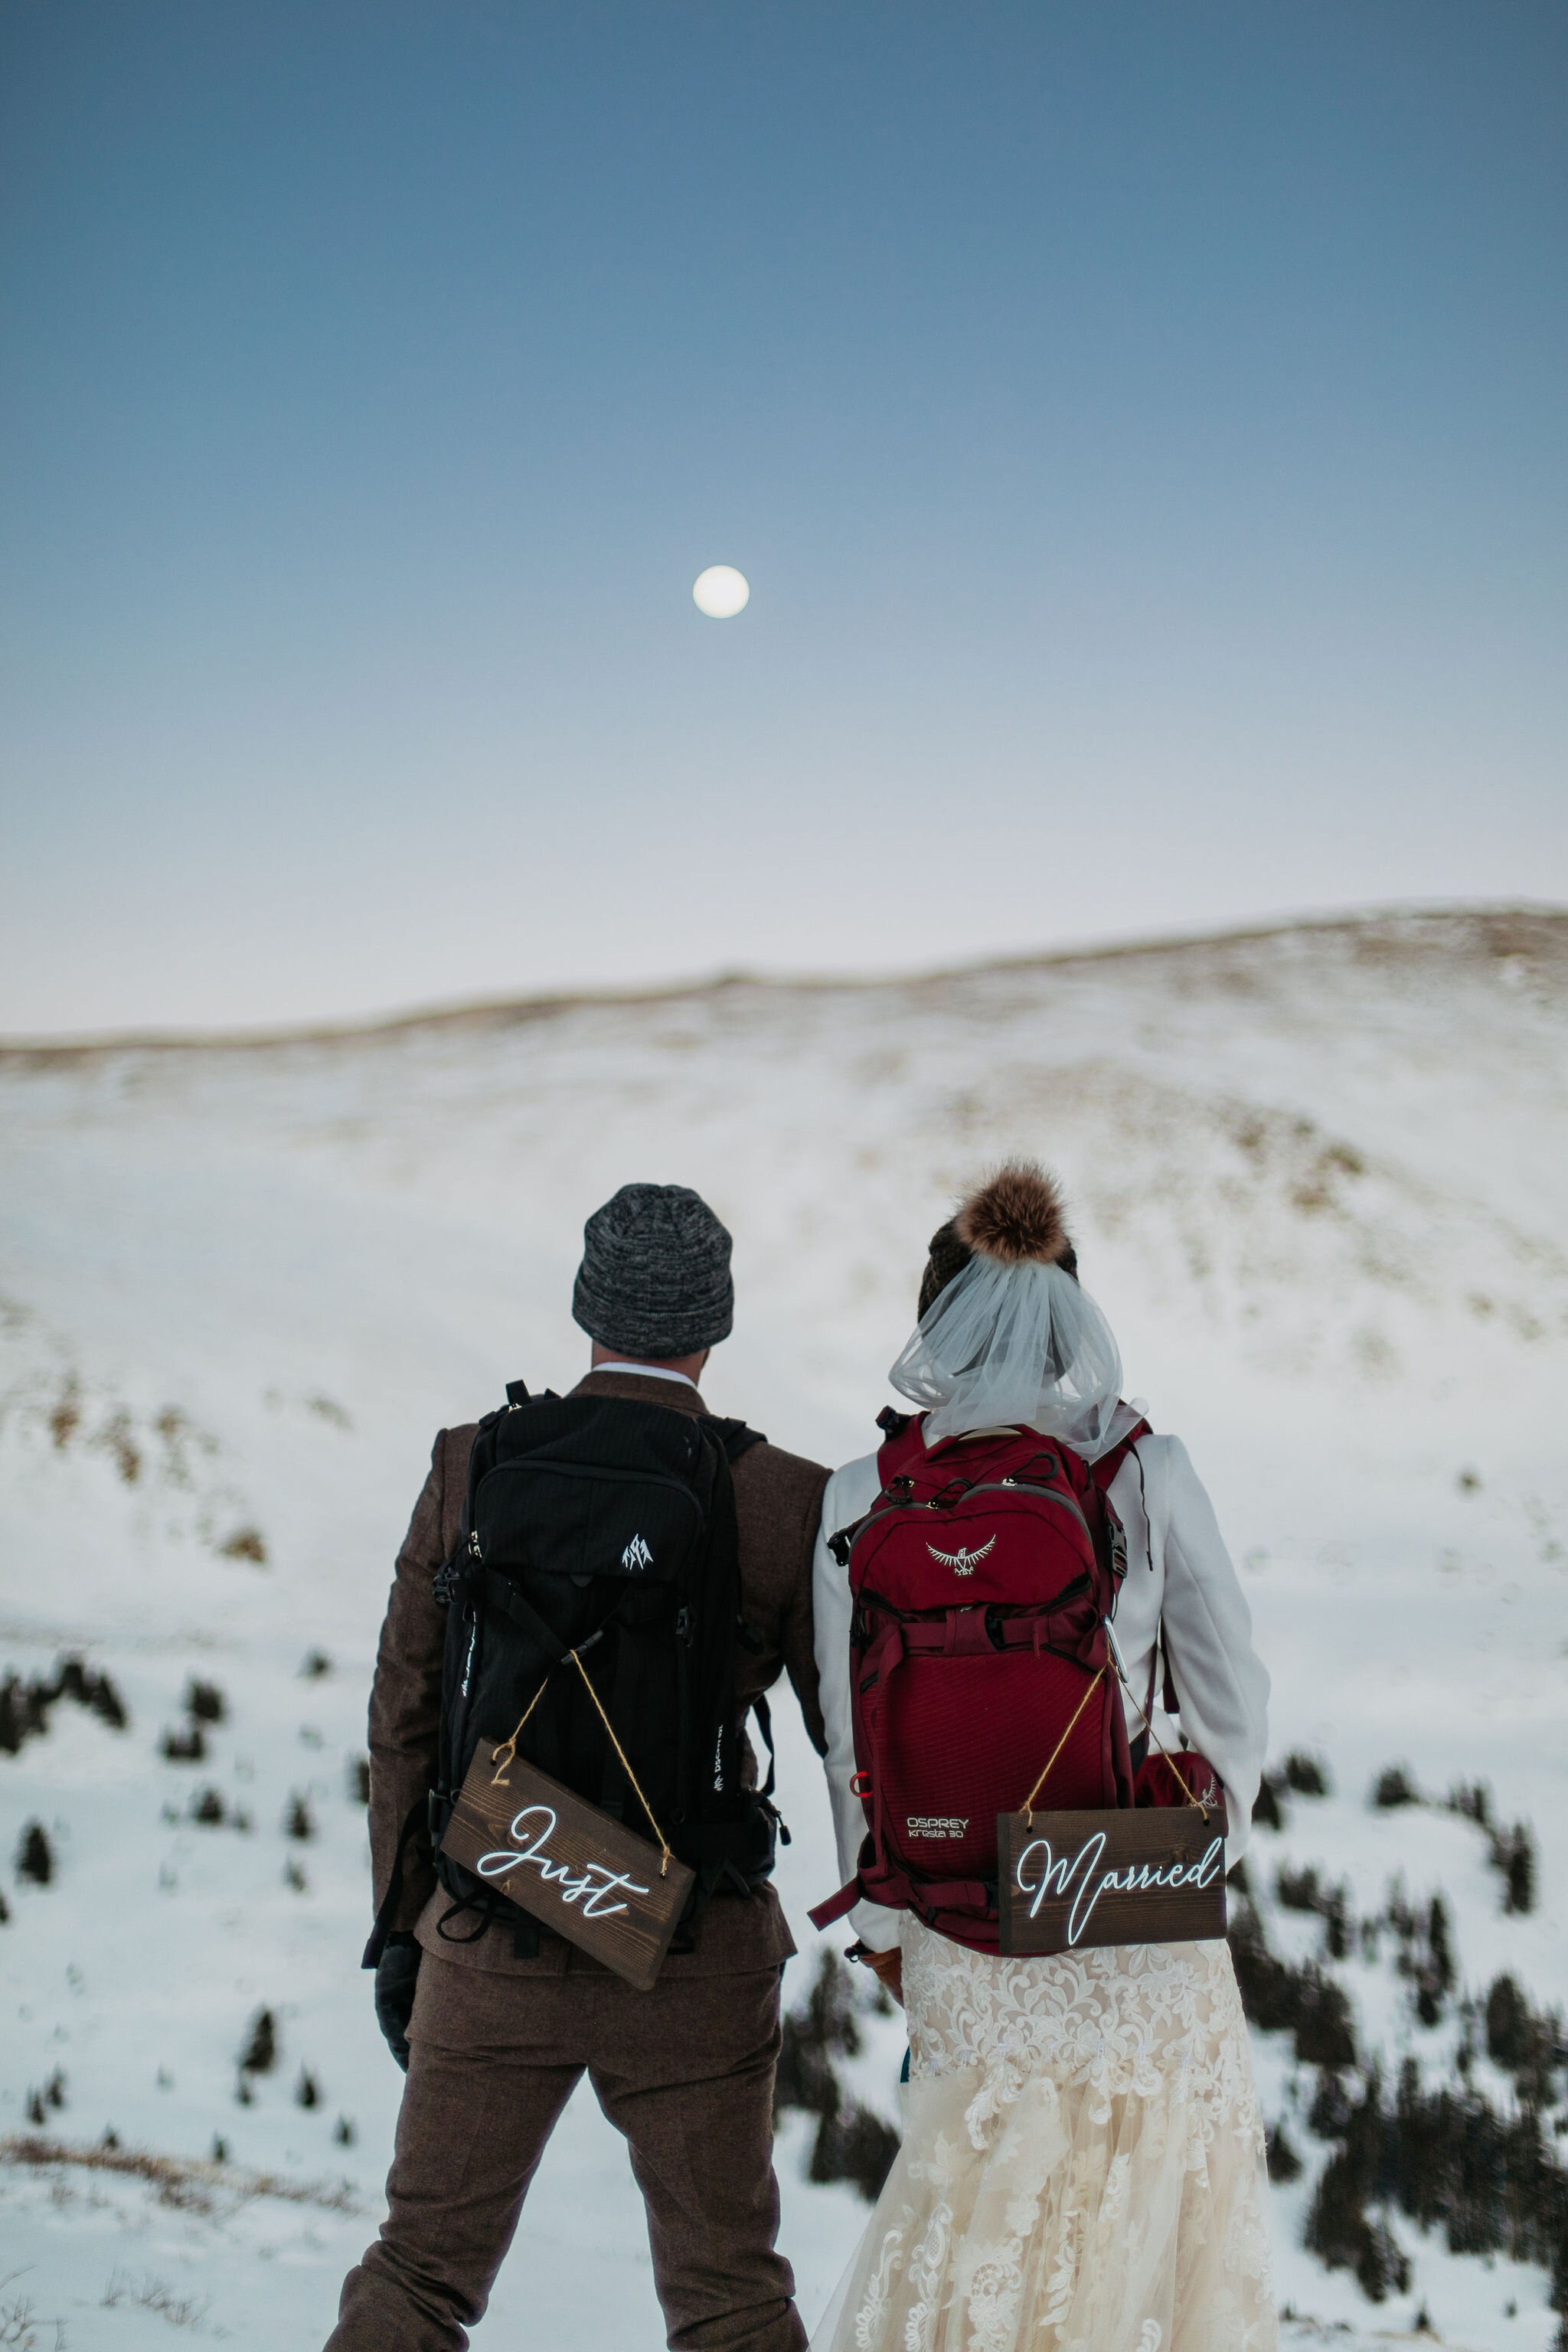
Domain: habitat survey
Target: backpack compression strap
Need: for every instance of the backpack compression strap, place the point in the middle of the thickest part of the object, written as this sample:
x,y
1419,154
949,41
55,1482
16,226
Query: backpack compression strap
x,y
941,1895
823,1915
1103,1472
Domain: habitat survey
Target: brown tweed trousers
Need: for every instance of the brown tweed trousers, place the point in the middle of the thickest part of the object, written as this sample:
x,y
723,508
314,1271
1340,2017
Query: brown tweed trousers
x,y
498,2043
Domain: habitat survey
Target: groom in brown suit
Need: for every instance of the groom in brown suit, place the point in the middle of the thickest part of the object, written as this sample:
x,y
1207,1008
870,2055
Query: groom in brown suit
x,y
495,2044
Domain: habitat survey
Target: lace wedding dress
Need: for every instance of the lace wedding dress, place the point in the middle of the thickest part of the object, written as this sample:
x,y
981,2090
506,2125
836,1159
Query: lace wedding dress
x,y
1082,2166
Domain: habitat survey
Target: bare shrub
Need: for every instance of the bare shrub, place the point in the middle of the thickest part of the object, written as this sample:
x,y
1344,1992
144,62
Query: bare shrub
x,y
154,2295
189,2187
246,1543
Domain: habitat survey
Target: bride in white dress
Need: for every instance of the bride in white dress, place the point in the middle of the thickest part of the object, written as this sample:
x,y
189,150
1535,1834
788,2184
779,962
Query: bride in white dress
x,y
1082,2164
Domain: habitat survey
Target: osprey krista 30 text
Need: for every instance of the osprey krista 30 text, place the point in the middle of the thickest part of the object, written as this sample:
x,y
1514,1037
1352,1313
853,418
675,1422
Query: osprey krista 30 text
x,y
983,1578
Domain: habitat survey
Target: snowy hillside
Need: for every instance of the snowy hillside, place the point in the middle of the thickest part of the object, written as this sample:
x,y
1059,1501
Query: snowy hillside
x,y
1319,1183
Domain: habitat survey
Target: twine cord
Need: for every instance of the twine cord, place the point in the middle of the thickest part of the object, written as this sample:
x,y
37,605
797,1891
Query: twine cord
x,y
1121,1675
1114,1658
620,1751
501,1756
1029,1800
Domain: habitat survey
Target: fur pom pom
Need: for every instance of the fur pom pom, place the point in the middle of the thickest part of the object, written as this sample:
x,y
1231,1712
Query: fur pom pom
x,y
1016,1215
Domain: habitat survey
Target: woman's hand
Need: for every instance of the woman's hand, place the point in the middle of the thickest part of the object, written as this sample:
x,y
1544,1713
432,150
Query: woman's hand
x,y
888,1967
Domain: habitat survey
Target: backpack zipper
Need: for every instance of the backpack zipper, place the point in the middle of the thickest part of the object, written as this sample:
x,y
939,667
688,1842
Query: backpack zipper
x,y
545,1466
683,1641
611,1477
461,1712
986,1486
1033,1486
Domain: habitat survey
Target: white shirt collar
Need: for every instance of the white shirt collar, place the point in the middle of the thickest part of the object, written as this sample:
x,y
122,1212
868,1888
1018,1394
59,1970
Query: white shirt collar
x,y
648,1372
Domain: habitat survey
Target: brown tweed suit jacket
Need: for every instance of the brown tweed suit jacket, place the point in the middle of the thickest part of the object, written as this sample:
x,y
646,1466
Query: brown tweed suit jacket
x,y
778,1501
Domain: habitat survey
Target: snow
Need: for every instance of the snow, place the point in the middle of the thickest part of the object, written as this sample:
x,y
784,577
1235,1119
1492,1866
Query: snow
x,y
1317,1178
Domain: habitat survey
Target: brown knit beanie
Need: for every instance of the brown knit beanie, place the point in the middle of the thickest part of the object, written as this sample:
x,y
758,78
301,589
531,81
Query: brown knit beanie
x,y
1014,1215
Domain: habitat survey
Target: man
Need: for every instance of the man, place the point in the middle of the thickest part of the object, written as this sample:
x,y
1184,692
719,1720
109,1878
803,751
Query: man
x,y
496,2040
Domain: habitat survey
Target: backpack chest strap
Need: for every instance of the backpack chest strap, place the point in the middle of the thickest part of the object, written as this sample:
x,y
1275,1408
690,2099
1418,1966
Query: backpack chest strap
x,y
1072,1632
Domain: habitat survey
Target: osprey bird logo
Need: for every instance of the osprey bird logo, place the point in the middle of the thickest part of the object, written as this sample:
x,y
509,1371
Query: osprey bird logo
x,y
962,1562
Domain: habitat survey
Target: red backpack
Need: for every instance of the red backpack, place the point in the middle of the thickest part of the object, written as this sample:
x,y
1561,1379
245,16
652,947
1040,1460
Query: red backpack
x,y
982,1577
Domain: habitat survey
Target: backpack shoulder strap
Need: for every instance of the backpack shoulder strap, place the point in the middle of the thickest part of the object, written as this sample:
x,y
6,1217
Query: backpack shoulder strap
x,y
734,1436
482,1429
904,1447
1104,1471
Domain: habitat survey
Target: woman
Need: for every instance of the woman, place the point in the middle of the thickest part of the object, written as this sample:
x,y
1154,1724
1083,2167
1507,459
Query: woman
x,y
1082,2167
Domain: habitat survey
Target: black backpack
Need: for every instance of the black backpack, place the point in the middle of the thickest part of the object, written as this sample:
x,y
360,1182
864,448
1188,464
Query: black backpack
x,y
606,1527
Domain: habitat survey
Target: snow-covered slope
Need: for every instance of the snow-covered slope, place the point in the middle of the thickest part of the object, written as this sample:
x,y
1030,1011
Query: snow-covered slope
x,y
1318,1177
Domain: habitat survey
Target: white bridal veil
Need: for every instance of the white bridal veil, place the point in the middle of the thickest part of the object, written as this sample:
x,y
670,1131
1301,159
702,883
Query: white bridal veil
x,y
1021,1344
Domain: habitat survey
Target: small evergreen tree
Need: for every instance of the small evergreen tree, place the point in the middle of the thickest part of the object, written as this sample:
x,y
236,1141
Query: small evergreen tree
x,y
36,1855
204,1703
261,2053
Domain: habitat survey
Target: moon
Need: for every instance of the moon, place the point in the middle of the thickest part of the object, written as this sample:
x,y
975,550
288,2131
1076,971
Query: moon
x,y
721,592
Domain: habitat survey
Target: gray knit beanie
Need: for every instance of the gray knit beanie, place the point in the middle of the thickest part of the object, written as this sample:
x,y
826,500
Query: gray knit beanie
x,y
654,1276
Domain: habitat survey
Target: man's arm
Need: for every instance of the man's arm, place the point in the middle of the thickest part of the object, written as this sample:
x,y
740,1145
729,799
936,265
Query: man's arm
x,y
796,1632
405,1704
778,1499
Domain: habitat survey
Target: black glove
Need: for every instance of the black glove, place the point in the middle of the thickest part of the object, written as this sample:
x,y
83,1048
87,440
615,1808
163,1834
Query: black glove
x,y
396,1974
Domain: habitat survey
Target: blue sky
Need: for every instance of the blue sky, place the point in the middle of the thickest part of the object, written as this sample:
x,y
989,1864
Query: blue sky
x,y
1142,425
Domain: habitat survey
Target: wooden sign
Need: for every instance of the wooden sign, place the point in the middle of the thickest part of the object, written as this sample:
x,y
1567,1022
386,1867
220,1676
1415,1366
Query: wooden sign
x,y
569,1865
1072,1881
